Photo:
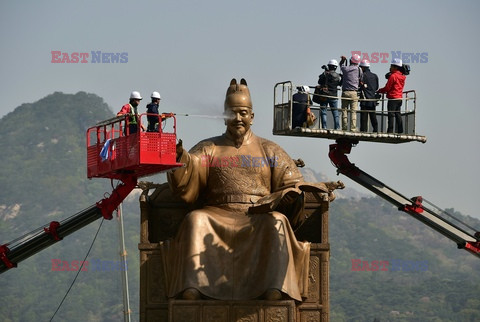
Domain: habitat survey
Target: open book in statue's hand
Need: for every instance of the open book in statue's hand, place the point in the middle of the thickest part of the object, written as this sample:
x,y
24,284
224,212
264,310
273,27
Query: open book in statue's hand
x,y
290,201
290,195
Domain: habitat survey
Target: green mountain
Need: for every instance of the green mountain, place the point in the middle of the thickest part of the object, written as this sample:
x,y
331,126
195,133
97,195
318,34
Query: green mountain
x,y
43,158
428,278
43,178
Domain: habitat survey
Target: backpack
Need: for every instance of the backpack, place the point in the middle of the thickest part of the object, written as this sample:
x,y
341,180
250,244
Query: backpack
x,y
320,89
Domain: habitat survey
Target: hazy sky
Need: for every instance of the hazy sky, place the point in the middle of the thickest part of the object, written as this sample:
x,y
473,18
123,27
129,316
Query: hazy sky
x,y
189,51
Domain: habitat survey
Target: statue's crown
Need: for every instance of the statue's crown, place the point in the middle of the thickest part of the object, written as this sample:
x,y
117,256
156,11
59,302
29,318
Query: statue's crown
x,y
238,95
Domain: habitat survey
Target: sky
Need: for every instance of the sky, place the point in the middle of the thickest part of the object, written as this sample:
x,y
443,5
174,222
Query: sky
x,y
190,50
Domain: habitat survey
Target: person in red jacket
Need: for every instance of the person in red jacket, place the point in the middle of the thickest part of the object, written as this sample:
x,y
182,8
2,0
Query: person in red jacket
x,y
394,91
130,109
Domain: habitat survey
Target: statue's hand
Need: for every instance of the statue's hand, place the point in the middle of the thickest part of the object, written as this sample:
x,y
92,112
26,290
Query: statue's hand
x,y
179,149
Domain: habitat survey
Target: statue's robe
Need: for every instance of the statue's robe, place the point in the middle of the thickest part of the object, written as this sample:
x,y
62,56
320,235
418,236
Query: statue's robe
x,y
222,250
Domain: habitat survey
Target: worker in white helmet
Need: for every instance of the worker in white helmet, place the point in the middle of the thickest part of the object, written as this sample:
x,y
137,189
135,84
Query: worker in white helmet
x,y
130,109
152,110
368,89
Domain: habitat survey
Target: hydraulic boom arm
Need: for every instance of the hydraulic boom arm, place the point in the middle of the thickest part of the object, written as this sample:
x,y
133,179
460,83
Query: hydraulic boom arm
x,y
13,252
413,206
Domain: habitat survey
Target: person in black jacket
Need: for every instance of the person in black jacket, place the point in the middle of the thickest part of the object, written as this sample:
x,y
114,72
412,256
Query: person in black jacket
x,y
152,108
368,87
330,80
301,103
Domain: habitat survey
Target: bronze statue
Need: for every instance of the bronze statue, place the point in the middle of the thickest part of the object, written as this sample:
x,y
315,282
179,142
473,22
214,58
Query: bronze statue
x,y
235,246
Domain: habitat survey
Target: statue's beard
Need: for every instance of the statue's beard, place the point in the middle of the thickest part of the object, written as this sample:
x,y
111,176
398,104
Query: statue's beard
x,y
237,133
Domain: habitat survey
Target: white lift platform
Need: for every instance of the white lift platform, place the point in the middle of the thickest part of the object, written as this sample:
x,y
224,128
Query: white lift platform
x,y
282,119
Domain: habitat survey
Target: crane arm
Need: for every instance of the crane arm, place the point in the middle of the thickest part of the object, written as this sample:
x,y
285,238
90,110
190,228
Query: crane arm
x,y
412,206
13,252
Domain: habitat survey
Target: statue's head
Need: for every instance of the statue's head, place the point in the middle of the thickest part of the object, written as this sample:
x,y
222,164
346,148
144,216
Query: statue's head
x,y
238,108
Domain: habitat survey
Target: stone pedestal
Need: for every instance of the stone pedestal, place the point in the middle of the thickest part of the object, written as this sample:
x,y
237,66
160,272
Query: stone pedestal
x,y
231,311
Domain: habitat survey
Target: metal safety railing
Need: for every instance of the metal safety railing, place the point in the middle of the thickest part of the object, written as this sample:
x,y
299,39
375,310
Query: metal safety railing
x,y
115,148
284,109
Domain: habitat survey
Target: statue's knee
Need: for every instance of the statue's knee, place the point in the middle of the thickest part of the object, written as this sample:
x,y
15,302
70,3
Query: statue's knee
x,y
196,217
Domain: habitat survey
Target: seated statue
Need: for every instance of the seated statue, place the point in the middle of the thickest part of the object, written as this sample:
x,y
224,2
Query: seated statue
x,y
237,245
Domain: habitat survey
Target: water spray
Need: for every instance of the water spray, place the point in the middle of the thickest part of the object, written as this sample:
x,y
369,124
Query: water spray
x,y
201,115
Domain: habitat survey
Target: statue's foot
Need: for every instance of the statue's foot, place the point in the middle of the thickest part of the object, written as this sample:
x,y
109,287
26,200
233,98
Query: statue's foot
x,y
273,295
191,294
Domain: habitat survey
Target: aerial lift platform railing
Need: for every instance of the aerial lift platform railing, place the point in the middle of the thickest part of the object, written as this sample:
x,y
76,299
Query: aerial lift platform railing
x,y
283,105
141,153
112,153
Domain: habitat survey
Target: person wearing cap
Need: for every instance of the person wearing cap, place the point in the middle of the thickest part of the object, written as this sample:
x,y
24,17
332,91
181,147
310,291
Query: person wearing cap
x,y
331,80
246,254
130,109
394,91
351,76
300,106
152,112
368,88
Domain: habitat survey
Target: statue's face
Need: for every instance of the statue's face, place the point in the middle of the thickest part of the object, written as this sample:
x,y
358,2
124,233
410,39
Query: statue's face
x,y
238,120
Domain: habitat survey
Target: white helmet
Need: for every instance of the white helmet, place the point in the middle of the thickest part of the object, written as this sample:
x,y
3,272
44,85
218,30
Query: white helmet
x,y
365,63
397,62
333,62
155,95
135,95
304,88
